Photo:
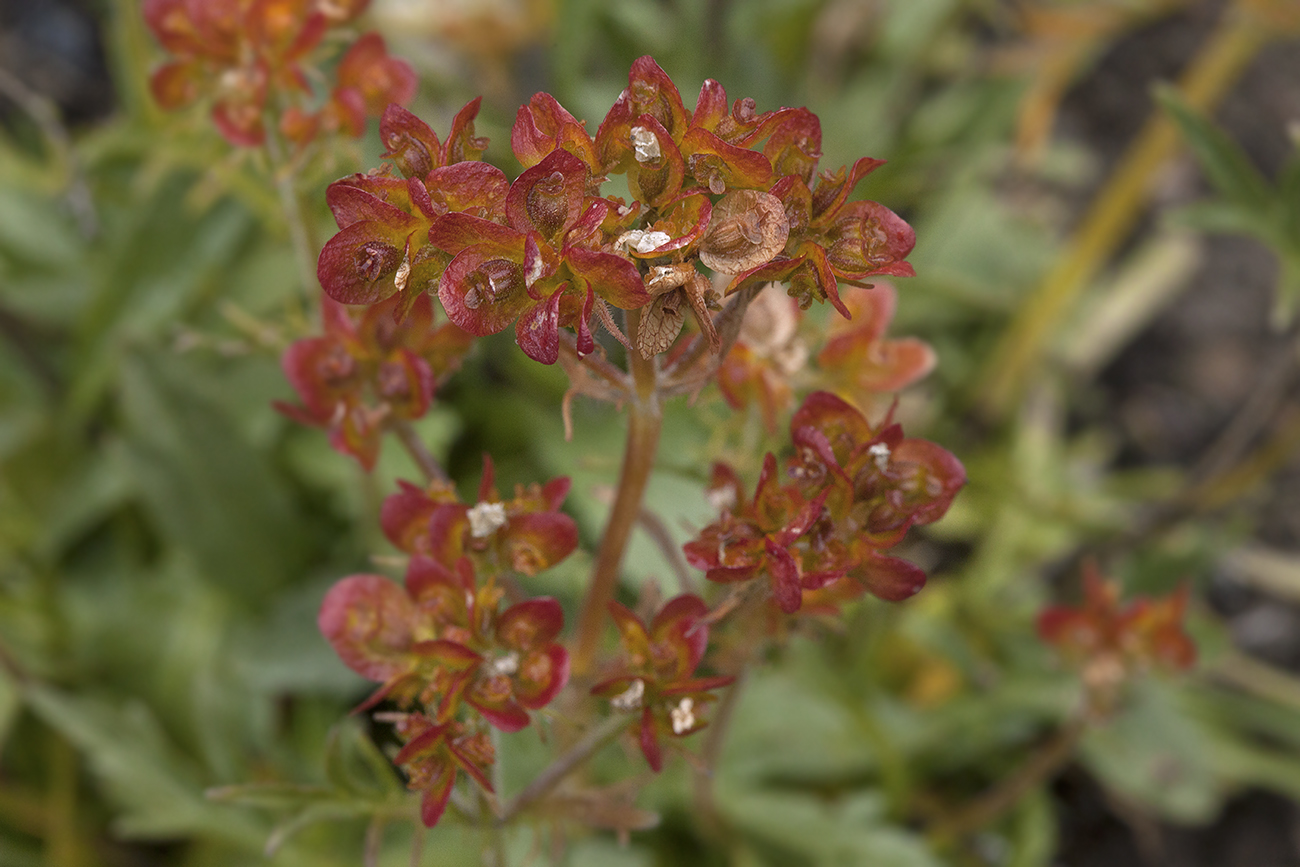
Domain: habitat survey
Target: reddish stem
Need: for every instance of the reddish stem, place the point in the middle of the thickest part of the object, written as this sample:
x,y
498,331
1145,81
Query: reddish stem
x,y
645,418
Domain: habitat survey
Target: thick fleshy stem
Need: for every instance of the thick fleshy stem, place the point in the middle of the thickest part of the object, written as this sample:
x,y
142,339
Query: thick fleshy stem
x,y
645,419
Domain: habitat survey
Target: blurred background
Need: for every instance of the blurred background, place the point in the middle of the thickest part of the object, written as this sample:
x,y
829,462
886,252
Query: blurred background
x,y
1108,278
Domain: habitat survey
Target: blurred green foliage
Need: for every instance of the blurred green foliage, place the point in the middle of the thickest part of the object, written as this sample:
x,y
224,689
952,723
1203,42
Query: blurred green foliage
x,y
165,537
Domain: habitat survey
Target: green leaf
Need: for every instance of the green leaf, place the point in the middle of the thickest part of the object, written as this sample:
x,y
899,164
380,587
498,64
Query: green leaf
x,y
1224,163
205,486
156,261
273,796
1157,755
158,791
1226,218
10,705
843,831
1034,831
354,764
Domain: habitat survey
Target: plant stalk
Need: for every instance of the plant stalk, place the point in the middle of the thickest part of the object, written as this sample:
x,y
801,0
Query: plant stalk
x,y
415,447
1041,766
645,419
304,245
565,764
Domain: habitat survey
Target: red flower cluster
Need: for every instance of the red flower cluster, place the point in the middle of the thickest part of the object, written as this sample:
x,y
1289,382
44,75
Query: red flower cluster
x,y
359,374
1109,642
527,533
729,190
854,492
657,673
433,753
441,644
246,53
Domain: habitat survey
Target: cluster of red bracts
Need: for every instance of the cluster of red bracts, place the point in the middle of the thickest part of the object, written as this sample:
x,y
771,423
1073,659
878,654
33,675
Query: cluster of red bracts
x,y
445,651
1109,642
365,372
249,56
854,490
730,190
657,673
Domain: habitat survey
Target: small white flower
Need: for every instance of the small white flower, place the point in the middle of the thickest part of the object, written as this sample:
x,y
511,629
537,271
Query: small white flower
x,y
630,698
721,499
880,452
646,145
504,665
651,240
485,519
683,716
641,240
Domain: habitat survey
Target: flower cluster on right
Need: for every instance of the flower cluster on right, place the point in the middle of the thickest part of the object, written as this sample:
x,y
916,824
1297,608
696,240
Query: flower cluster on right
x,y
853,491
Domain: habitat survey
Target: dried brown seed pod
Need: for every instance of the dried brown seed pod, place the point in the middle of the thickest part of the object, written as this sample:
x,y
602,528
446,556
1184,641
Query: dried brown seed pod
x,y
747,229
661,322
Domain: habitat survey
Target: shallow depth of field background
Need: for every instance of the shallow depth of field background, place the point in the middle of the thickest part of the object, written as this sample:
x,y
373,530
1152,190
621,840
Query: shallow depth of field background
x,y
166,537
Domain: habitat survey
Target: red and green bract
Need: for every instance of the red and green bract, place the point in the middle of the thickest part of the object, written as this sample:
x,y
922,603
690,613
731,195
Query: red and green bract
x,y
360,374
440,640
657,673
722,188
251,57
527,533
1143,633
853,492
548,251
433,753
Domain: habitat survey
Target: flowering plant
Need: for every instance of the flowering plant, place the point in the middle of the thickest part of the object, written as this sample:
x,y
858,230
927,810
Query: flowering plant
x,y
727,200
771,616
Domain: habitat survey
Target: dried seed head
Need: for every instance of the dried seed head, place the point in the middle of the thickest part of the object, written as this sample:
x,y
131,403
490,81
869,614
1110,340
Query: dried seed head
x,y
771,330
661,323
375,258
663,278
548,205
403,275
493,281
747,229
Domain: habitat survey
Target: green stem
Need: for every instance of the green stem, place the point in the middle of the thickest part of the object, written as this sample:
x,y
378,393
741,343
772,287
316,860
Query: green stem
x,y
415,447
567,763
714,741
1043,764
300,235
645,419
494,844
